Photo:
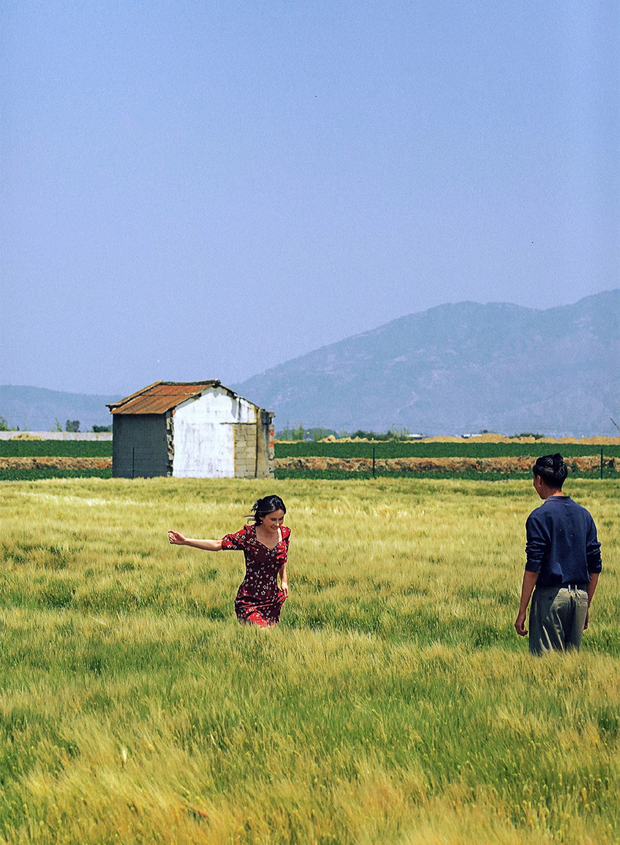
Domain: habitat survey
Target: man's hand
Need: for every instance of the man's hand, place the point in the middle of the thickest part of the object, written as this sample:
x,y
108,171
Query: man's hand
x,y
586,624
529,582
520,624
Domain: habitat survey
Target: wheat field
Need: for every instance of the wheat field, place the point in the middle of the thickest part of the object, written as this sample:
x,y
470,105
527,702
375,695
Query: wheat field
x,y
393,704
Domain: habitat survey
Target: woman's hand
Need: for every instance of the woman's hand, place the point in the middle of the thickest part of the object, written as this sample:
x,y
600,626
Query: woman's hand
x,y
284,588
176,538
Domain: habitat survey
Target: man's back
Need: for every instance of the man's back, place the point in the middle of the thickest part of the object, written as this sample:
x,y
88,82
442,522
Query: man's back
x,y
561,543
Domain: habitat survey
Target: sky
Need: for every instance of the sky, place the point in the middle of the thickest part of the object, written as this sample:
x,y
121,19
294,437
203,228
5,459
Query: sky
x,y
209,188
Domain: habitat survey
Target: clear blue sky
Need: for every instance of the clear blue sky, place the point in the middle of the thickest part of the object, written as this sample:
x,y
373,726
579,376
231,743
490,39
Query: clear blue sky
x,y
205,189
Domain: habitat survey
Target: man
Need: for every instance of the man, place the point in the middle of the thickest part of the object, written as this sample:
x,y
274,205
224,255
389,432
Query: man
x,y
563,564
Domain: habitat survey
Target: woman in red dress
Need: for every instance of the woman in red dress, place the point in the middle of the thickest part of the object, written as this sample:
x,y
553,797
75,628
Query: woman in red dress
x,y
265,545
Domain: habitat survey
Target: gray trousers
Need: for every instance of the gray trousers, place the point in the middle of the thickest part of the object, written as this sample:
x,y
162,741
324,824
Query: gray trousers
x,y
557,617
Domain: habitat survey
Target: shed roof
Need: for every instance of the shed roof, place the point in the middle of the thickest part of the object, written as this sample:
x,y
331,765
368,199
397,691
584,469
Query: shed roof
x,y
161,396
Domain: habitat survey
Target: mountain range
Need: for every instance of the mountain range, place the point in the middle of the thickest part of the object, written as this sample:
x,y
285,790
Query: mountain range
x,y
460,368
454,369
39,409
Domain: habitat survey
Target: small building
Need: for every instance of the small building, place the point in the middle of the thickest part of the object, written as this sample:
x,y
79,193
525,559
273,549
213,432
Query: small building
x,y
197,429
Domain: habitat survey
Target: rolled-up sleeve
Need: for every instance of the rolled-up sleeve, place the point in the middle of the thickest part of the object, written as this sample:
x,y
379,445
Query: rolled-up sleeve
x,y
537,544
593,551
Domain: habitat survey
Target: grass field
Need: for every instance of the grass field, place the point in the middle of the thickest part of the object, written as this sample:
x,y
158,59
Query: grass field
x,y
393,704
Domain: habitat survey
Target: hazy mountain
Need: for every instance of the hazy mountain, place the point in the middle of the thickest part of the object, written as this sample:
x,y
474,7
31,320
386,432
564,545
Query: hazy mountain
x,y
37,409
459,369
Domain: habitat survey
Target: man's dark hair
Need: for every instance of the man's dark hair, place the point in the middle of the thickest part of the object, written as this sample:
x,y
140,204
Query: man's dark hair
x,y
552,470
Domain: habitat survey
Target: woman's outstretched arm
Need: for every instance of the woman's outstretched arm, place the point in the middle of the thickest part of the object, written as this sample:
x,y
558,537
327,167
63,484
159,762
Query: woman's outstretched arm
x,y
177,539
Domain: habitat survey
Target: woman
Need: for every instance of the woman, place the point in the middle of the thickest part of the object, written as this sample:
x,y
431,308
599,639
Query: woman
x,y
264,543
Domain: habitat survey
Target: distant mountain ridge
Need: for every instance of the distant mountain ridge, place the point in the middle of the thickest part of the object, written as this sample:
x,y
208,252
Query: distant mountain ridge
x,y
458,369
37,409
453,369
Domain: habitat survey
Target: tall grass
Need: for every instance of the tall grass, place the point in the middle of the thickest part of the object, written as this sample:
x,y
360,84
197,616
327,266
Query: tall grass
x,y
394,703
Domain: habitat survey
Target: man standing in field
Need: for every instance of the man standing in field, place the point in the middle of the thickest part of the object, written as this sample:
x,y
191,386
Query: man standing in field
x,y
563,564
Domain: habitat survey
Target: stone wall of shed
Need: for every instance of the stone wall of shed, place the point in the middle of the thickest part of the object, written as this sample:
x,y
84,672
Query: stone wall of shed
x,y
253,444
265,446
244,441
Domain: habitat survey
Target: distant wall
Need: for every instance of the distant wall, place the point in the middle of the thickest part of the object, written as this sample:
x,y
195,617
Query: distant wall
x,y
221,436
203,434
140,446
265,446
59,435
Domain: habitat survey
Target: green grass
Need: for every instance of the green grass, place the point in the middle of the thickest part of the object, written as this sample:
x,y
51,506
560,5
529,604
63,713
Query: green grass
x,y
49,472
400,449
393,704
55,448
466,475
327,474
389,449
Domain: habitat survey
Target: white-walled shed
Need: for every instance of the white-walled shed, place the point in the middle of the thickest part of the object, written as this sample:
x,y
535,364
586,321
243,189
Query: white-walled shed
x,y
191,430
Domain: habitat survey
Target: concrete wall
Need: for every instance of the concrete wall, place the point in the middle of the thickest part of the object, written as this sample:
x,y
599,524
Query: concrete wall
x,y
265,446
140,446
254,447
203,436
244,438
215,436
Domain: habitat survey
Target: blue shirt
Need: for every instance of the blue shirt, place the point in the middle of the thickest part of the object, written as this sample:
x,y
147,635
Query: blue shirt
x,y
561,543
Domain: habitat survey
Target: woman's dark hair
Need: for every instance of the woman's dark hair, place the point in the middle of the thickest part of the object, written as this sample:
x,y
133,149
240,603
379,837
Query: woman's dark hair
x,y
262,507
552,470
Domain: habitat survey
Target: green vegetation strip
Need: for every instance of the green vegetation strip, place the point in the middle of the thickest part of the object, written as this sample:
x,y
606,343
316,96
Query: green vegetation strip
x,y
384,449
55,448
394,703
38,474
399,449
472,475
333,474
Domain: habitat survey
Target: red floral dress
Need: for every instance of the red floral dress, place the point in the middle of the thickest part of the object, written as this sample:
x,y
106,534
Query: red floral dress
x,y
259,599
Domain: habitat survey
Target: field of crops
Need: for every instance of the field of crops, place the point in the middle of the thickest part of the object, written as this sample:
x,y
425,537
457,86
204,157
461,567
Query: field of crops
x,y
333,449
393,704
29,460
450,449
55,448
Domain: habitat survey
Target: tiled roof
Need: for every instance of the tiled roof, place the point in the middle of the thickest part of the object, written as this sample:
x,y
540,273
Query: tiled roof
x,y
161,396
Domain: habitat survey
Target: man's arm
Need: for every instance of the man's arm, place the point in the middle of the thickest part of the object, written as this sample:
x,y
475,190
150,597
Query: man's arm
x,y
529,582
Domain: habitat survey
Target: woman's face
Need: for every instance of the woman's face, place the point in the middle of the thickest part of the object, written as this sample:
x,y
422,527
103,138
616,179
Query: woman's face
x,y
272,521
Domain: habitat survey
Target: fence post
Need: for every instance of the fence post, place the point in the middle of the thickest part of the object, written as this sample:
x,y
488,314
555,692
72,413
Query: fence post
x,y
133,461
601,462
374,461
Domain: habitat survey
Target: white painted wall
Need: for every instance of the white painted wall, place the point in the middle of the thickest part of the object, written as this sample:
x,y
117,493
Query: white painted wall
x,y
203,434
